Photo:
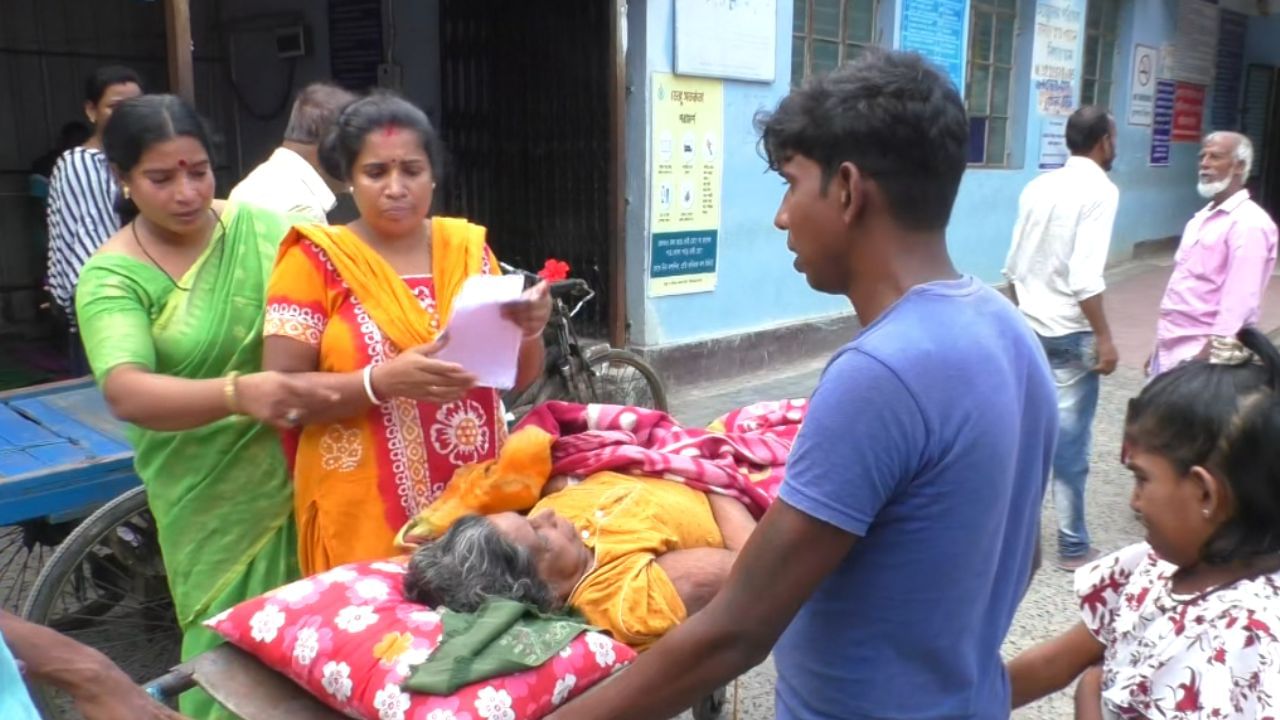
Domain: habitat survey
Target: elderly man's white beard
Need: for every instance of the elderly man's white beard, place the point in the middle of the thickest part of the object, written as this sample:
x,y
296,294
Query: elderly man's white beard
x,y
1209,190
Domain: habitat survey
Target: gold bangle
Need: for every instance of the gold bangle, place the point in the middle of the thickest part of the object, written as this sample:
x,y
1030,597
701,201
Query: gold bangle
x,y
229,392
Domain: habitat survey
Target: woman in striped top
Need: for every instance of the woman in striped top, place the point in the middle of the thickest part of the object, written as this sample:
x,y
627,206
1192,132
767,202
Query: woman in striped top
x,y
82,197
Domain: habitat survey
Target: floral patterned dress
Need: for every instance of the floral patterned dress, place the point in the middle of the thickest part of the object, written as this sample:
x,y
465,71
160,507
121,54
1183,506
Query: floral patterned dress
x,y
365,476
1211,655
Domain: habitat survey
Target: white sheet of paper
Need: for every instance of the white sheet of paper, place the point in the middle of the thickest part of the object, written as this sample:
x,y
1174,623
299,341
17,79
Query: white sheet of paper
x,y
480,339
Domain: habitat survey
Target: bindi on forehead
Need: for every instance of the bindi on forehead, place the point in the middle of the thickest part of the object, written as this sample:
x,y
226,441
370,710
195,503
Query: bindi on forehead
x,y
390,131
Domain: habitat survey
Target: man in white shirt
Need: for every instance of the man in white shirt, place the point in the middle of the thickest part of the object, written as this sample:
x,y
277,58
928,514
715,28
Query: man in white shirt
x,y
1054,269
291,181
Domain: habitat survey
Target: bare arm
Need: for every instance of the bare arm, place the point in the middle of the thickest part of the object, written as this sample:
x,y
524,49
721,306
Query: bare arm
x,y
172,404
287,355
780,567
100,689
735,521
1053,664
1089,695
532,362
413,373
1108,358
697,574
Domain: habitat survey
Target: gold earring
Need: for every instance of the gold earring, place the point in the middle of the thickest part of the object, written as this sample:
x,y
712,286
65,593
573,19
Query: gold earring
x,y
125,191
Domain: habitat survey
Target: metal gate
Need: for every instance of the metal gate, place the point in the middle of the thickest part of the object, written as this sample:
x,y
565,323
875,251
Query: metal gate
x,y
525,116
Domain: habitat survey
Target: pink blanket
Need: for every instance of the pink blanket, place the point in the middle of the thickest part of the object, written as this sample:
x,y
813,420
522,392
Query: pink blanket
x,y
743,454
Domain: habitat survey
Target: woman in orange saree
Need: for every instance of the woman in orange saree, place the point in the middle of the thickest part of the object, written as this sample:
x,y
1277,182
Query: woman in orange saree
x,y
359,308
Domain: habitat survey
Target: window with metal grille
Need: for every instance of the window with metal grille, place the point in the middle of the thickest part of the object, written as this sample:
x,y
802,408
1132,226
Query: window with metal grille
x,y
829,33
989,87
1099,52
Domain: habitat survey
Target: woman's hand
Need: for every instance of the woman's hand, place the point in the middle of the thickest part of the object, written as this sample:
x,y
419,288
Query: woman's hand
x,y
532,311
281,400
417,375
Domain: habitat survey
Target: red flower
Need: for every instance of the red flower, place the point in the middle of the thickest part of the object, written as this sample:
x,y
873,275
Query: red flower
x,y
1189,695
554,270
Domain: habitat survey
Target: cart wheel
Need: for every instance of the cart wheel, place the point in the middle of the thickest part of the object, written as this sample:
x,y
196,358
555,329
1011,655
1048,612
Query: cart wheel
x,y
620,377
105,586
24,549
710,707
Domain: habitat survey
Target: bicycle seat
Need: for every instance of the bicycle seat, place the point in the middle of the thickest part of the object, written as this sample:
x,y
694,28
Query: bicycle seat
x,y
569,290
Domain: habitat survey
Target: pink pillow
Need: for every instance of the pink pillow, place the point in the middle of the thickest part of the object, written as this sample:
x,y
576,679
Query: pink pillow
x,y
349,637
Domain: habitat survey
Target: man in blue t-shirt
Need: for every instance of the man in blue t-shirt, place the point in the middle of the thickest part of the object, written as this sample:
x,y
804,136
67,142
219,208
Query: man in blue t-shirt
x,y
887,573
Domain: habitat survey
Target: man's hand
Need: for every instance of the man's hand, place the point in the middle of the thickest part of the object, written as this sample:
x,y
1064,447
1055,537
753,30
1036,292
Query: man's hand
x,y
114,696
1108,356
101,690
1205,351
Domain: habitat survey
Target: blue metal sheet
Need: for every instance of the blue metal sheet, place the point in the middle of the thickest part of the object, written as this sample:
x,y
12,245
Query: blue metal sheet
x,y
80,416
19,432
63,495
61,452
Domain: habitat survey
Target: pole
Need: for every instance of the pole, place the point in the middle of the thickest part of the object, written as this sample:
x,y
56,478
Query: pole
x,y
177,19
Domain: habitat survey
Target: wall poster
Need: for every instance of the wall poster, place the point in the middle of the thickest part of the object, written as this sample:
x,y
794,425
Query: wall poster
x,y
1055,55
1142,93
938,30
687,176
733,39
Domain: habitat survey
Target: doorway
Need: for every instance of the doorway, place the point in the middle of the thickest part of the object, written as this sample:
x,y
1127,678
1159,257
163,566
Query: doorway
x,y
1260,122
528,119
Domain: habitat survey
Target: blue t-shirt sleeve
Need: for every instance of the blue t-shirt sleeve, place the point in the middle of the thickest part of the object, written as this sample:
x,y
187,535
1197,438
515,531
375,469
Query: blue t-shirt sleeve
x,y
862,441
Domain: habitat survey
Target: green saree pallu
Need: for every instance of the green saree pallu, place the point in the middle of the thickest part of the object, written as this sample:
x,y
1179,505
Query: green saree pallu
x,y
220,493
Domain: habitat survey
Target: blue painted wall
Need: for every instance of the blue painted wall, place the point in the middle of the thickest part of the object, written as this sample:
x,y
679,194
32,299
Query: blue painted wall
x,y
1262,44
757,287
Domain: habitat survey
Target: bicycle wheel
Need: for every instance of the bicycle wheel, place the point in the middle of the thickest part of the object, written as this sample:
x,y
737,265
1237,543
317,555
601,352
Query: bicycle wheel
x,y
24,550
106,587
620,377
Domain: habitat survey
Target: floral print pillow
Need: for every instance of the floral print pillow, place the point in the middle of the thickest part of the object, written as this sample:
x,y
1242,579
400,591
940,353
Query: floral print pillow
x,y
350,638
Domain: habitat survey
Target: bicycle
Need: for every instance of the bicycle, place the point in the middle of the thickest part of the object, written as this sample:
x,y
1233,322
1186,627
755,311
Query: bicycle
x,y
581,373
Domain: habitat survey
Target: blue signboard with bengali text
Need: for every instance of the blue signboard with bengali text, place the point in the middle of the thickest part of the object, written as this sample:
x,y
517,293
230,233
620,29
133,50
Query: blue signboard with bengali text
x,y
1162,123
937,30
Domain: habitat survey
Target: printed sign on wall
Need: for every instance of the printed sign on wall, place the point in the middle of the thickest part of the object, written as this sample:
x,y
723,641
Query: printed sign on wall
x,y
684,199
1142,96
733,39
1055,57
1162,123
937,29
1188,112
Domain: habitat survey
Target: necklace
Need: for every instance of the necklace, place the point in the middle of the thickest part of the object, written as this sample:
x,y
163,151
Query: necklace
x,y
133,228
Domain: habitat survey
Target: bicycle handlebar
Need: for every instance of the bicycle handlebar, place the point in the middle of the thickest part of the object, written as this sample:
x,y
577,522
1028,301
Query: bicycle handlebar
x,y
564,290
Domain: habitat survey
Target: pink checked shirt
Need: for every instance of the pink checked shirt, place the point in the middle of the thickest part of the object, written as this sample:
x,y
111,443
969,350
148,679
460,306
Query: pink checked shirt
x,y
1221,270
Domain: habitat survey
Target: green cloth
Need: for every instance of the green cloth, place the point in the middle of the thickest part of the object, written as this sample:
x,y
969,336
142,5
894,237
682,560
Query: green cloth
x,y
220,493
500,638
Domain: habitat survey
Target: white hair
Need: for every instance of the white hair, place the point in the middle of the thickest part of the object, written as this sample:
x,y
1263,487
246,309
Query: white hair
x,y
1244,148
471,563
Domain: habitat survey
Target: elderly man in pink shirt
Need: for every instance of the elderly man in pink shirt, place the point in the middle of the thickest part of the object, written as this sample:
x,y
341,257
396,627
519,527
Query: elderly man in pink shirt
x,y
1224,261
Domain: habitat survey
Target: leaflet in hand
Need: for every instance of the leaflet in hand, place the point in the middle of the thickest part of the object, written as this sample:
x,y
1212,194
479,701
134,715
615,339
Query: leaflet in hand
x,y
480,339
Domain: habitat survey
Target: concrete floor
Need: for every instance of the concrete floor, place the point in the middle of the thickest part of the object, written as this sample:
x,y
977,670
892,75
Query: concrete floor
x,y
1132,298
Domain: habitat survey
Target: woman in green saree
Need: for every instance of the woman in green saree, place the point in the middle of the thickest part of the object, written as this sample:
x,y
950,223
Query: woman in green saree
x,y
171,313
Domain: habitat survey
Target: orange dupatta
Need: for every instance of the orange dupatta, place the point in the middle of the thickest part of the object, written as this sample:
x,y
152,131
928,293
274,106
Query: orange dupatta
x,y
342,513
458,251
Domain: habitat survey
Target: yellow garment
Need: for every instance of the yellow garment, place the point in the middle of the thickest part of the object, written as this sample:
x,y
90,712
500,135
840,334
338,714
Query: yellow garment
x,y
512,482
457,252
628,522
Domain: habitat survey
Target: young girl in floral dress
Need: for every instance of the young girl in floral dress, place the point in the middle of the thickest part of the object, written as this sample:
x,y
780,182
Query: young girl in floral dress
x,y
1184,625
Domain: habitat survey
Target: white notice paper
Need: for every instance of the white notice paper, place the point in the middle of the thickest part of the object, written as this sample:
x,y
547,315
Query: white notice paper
x,y
480,339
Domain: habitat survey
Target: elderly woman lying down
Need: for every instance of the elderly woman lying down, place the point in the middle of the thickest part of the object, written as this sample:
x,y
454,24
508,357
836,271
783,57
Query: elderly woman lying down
x,y
635,555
